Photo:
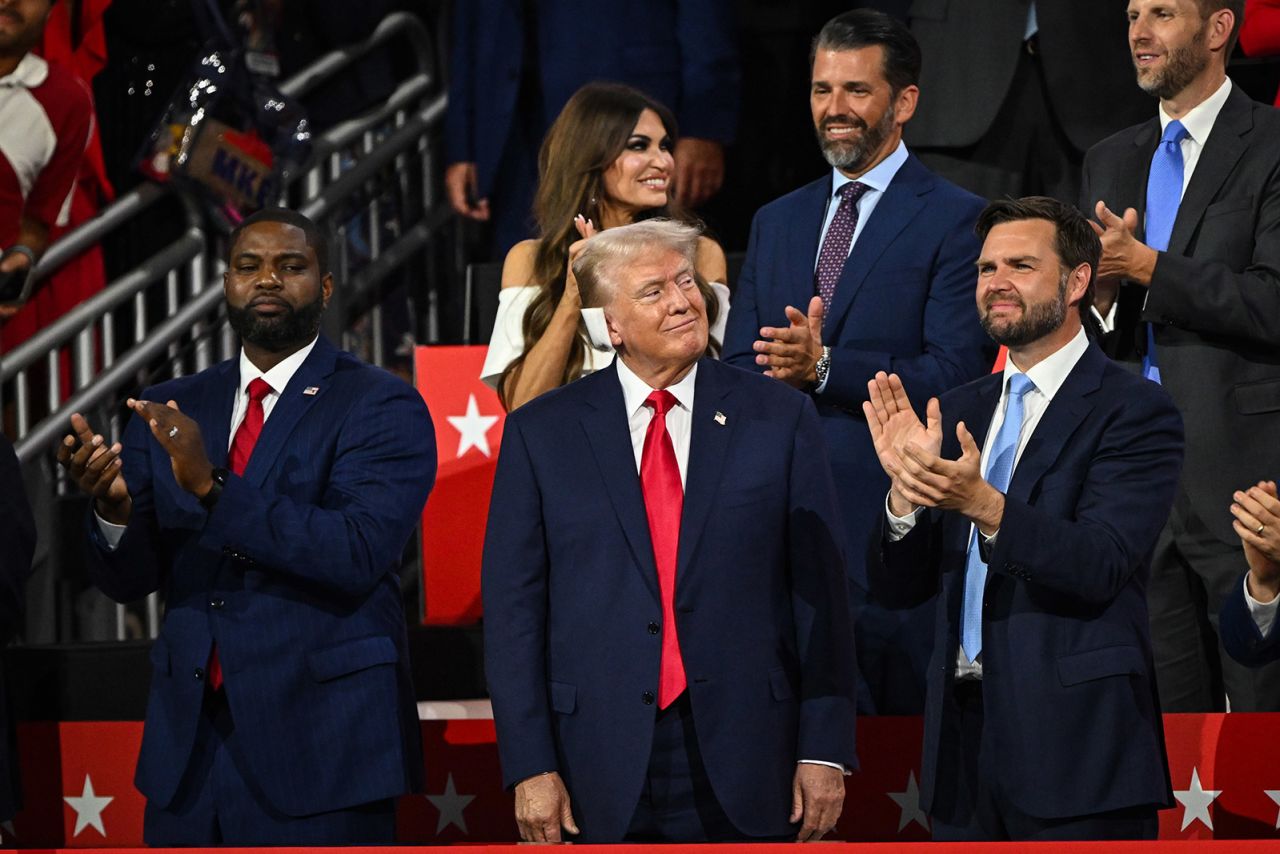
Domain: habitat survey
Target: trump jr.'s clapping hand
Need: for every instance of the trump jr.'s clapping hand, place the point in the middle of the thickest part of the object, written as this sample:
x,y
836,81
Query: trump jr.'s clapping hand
x,y
96,470
1257,523
817,796
543,808
909,453
792,354
180,438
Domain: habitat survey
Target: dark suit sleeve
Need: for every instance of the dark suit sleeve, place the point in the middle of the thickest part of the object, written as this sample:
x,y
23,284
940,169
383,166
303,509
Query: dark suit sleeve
x,y
709,75
956,349
514,584
383,468
1212,298
459,119
1123,502
819,602
906,573
17,539
137,566
743,327
1240,633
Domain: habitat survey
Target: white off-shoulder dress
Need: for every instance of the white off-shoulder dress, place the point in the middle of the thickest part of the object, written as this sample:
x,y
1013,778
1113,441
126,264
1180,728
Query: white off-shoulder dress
x,y
507,342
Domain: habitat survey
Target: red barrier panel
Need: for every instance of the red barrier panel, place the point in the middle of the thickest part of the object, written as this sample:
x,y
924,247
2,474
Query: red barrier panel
x,y
77,781
468,419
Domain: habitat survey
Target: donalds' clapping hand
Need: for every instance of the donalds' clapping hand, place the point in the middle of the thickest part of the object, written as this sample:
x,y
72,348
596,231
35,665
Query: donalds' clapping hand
x,y
181,439
96,469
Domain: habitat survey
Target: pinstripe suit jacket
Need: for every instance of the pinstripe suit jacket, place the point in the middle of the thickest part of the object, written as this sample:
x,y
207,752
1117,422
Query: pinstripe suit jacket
x,y
293,574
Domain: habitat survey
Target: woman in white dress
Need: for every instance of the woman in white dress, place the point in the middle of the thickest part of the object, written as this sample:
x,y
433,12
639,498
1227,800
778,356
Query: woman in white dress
x,y
606,161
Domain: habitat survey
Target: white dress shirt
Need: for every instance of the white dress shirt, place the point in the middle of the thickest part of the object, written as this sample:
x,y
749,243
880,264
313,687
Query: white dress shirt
x,y
1263,613
1199,122
635,392
1047,376
278,378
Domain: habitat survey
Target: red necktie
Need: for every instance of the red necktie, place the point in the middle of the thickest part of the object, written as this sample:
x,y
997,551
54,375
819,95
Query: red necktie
x,y
241,449
663,503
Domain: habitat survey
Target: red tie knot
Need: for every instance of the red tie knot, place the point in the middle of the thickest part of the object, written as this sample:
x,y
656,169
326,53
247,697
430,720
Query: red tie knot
x,y
661,401
259,389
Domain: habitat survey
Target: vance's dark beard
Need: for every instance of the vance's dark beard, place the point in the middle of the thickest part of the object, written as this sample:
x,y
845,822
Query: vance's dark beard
x,y
1037,321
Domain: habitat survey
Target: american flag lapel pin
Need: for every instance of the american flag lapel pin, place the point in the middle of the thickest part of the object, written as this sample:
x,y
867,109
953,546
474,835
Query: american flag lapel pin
x,y
720,419
311,390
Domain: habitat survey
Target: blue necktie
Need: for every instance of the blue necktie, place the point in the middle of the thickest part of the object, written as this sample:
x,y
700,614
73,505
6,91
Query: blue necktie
x,y
999,471
1164,194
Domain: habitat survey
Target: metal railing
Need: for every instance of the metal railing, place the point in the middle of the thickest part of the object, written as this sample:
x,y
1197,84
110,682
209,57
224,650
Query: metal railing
x,y
369,183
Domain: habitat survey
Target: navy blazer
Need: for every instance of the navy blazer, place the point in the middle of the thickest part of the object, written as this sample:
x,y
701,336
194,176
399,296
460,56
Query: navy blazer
x,y
294,574
1072,720
904,303
573,619
17,547
1240,635
682,53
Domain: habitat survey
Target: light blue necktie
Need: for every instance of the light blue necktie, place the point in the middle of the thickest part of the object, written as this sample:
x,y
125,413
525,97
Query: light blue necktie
x,y
999,471
1164,194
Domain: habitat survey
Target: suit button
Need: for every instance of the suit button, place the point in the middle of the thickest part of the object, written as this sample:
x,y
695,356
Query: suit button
x,y
647,698
199,673
653,628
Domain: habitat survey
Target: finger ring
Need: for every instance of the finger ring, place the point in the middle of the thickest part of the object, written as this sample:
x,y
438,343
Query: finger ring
x,y
173,431
1261,528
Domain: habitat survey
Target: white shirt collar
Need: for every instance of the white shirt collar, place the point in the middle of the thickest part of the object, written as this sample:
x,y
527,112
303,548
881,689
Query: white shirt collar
x,y
1051,372
279,376
878,177
30,72
1199,119
635,390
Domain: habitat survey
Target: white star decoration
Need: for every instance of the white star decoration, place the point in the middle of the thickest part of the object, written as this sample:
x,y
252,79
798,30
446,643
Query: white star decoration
x,y
1195,800
89,809
909,803
474,428
451,805
1274,794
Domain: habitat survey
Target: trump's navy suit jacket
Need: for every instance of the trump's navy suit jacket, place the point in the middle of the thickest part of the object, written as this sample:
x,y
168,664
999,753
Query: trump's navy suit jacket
x,y
1072,722
904,303
573,619
293,574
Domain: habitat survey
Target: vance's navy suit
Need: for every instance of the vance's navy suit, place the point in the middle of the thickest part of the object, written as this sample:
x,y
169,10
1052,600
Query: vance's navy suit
x,y
293,574
573,617
1240,635
1072,722
904,303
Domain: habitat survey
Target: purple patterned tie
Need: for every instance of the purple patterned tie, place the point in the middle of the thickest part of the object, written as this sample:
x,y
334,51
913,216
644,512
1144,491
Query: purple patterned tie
x,y
835,246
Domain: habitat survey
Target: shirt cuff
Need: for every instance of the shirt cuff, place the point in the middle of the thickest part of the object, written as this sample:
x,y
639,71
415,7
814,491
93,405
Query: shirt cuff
x,y
843,770
112,534
1264,614
900,526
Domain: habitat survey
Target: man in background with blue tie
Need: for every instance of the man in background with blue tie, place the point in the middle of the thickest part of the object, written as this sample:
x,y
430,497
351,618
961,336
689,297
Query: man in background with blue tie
x,y
1188,208
869,268
1030,501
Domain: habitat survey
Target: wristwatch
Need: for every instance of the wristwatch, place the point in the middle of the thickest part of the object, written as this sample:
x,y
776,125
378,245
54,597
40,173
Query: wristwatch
x,y
822,368
210,498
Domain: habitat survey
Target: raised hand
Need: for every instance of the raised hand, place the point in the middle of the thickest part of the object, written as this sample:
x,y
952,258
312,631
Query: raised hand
x,y
180,438
1257,523
96,470
791,353
1123,255
571,298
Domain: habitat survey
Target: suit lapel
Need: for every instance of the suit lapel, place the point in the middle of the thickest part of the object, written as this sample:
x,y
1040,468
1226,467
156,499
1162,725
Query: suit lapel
x,y
903,199
1067,409
709,443
1222,150
609,435
213,410
289,409
1131,183
803,236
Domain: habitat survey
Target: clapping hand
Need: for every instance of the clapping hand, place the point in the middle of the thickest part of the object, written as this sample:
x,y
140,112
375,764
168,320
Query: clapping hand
x,y
1257,523
571,298
180,438
96,469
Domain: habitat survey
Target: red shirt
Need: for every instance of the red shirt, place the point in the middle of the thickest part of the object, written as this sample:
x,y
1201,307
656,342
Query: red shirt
x,y
1260,32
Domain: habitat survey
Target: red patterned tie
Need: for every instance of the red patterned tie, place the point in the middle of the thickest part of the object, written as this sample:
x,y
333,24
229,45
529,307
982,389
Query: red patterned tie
x,y
835,246
241,449
663,503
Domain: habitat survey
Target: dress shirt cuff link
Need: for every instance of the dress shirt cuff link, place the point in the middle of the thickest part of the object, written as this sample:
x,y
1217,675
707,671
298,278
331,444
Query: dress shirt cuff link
x,y
900,526
1108,323
112,534
843,770
1263,613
